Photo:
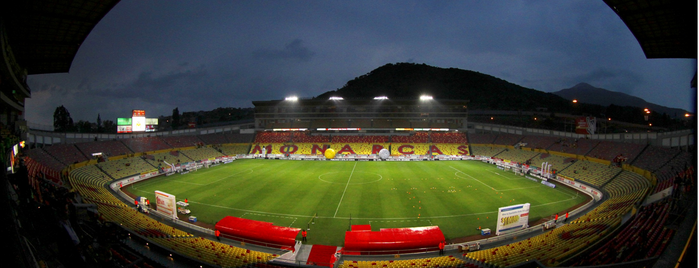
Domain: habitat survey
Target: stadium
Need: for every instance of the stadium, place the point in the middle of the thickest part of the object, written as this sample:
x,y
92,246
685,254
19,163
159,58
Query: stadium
x,y
341,182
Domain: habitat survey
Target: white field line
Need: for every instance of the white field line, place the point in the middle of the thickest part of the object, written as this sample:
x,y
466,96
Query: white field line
x,y
343,192
205,184
459,171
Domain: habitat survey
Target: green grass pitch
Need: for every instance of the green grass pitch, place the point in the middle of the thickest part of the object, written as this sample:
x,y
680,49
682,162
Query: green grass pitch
x,y
458,196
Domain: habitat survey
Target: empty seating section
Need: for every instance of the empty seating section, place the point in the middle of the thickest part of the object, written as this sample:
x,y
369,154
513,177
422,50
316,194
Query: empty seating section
x,y
125,167
235,149
66,153
219,254
145,144
240,138
91,185
644,237
201,153
654,157
560,243
409,148
481,138
44,158
516,155
590,172
359,139
457,137
452,148
573,146
417,137
172,157
216,138
539,142
557,162
301,124
609,150
401,123
181,141
489,151
624,190
273,137
110,148
303,137
444,261
674,167
507,139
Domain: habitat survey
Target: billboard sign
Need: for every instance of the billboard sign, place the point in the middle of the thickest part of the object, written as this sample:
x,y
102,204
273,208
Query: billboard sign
x,y
512,218
166,204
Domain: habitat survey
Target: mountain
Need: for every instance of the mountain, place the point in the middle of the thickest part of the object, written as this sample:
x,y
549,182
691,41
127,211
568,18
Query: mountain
x,y
409,80
585,93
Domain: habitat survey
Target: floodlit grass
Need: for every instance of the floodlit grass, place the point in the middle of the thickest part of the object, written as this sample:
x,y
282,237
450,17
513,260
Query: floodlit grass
x,y
458,196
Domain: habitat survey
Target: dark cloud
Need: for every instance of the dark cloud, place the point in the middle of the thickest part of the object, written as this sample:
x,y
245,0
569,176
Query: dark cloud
x,y
158,55
293,50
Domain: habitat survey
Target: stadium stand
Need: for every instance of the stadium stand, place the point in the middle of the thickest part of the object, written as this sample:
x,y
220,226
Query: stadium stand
x,y
181,141
456,137
417,137
486,150
145,144
211,139
273,137
125,167
654,157
675,167
110,148
507,139
643,237
444,261
538,142
201,153
381,123
560,243
517,155
235,149
172,157
319,123
481,138
301,124
240,138
45,159
303,137
608,150
593,173
557,162
573,146
66,153
359,139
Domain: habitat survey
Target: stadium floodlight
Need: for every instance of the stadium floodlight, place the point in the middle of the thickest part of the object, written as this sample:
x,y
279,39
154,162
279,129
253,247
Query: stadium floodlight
x,y
336,98
292,98
425,97
381,98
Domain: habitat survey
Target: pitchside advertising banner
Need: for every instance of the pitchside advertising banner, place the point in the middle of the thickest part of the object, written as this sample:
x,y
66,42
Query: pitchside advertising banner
x,y
166,203
512,218
586,125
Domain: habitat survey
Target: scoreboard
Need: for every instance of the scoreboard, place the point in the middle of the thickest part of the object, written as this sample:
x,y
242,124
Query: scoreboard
x,y
137,123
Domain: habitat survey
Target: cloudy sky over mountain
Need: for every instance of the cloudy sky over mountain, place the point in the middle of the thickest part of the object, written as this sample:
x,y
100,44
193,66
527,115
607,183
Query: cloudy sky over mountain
x,y
199,55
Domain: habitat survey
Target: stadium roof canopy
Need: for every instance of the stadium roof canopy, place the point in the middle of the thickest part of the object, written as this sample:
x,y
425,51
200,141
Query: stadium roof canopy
x,y
663,28
46,35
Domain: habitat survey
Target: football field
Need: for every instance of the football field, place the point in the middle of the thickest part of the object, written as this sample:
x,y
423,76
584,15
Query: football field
x,y
458,196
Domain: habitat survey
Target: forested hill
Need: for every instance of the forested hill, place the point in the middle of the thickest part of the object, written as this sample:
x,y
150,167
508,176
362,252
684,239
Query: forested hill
x,y
408,80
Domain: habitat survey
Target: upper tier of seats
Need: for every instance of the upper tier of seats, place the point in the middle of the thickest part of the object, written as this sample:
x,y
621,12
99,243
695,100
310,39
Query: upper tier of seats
x,y
145,144
66,153
182,141
110,148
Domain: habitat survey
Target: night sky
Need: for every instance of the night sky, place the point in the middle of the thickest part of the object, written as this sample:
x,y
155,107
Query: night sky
x,y
200,55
